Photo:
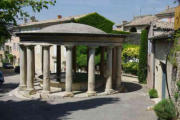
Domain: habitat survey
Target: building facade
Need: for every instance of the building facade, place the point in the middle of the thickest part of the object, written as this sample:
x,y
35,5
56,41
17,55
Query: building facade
x,y
159,45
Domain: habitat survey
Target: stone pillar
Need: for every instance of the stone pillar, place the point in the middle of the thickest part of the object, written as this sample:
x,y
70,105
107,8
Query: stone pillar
x,y
102,62
42,59
58,61
30,68
87,59
69,77
23,68
46,71
108,88
114,67
91,72
119,68
74,59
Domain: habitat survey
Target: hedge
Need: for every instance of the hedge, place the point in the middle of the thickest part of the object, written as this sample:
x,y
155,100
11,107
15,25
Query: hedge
x,y
142,71
97,21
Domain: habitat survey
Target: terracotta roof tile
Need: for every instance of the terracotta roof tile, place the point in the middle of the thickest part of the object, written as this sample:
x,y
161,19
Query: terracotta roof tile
x,y
142,20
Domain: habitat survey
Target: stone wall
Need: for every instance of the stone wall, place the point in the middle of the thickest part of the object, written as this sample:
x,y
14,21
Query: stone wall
x,y
162,47
133,38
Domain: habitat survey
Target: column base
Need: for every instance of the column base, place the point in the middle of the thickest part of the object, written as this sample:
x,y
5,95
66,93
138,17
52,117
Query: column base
x,y
30,91
91,93
119,88
46,92
110,91
22,88
68,94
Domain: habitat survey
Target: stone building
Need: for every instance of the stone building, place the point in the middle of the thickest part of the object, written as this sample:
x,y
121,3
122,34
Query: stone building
x,y
137,24
159,45
142,22
13,44
68,35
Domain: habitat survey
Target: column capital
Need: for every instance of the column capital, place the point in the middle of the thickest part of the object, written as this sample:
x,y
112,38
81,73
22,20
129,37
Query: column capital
x,y
69,46
29,46
46,45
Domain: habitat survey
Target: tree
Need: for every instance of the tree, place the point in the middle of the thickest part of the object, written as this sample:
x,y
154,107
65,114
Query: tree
x,y
142,70
13,10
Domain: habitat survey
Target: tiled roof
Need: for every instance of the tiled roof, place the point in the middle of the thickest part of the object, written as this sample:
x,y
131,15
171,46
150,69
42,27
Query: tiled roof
x,y
142,20
164,35
163,25
71,28
62,20
162,30
167,11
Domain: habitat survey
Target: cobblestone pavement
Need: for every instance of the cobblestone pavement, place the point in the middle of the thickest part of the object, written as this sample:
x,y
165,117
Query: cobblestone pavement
x,y
131,105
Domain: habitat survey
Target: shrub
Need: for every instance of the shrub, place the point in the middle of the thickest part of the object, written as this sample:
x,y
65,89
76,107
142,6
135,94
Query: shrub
x,y
130,67
165,110
142,71
178,85
130,55
153,93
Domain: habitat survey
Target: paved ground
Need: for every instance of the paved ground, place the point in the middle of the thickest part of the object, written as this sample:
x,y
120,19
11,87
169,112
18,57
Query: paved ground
x,y
124,106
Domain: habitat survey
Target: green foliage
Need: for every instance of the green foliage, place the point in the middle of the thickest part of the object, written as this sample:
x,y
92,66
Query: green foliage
x,y
142,71
178,85
130,67
130,52
97,21
81,56
174,49
153,93
165,110
12,10
119,32
176,96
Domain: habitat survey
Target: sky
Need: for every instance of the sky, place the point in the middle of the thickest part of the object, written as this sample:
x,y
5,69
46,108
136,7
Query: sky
x,y
115,10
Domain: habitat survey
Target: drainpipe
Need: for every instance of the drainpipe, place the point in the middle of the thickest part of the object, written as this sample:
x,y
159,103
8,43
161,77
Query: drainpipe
x,y
167,85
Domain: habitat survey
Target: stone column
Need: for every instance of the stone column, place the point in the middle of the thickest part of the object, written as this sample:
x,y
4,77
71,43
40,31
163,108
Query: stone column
x,y
91,72
68,81
74,59
102,62
114,67
108,88
30,68
58,61
46,71
119,68
87,58
23,68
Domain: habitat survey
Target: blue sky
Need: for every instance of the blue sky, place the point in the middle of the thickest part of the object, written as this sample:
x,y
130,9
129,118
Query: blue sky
x,y
115,10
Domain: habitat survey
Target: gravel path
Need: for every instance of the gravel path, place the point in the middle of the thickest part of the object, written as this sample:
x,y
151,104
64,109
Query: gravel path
x,y
124,106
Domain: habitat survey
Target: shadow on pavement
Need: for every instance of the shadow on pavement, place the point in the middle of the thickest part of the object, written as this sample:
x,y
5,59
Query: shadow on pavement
x,y
4,88
8,72
41,110
131,87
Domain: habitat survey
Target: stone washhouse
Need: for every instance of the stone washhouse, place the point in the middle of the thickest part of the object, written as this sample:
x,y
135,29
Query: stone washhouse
x,y
70,35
